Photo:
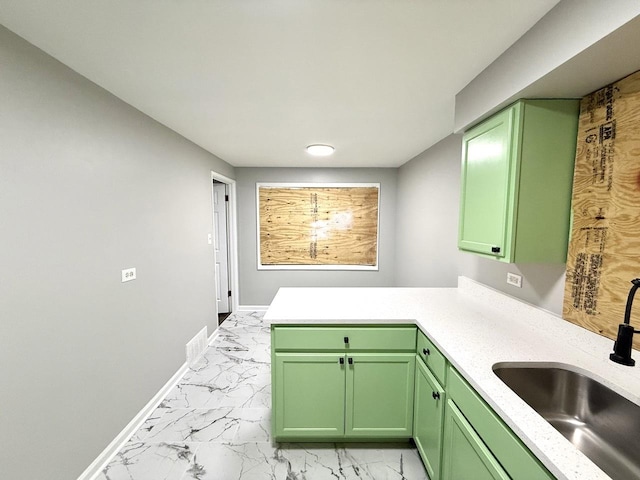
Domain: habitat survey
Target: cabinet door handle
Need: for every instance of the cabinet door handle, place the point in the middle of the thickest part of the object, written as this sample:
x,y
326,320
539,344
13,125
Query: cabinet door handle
x,y
435,395
495,249
426,351
346,339
341,360
350,361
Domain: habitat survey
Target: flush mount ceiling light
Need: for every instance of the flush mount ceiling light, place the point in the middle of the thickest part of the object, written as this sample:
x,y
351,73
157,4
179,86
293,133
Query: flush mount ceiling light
x,y
319,150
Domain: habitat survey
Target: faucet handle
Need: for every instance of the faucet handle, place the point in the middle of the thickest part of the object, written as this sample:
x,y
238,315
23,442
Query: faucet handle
x,y
622,346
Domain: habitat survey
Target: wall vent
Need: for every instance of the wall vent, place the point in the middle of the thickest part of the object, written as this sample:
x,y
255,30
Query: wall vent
x,y
195,347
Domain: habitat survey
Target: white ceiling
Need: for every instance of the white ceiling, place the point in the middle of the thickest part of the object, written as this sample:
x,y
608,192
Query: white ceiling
x,y
255,81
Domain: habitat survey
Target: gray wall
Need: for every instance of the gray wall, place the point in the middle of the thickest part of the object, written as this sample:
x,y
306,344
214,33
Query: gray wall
x,y
427,221
418,233
427,217
540,64
258,287
542,285
89,186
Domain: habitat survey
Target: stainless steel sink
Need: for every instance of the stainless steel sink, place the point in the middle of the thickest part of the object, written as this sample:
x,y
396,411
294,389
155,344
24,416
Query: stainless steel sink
x,y
602,424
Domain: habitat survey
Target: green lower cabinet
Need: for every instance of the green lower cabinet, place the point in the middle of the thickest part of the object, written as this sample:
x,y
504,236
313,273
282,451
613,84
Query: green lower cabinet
x,y
495,436
333,395
428,419
379,401
465,456
370,394
309,395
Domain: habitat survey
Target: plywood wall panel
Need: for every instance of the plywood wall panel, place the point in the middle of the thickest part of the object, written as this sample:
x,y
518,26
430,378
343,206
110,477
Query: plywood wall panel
x,y
318,225
604,250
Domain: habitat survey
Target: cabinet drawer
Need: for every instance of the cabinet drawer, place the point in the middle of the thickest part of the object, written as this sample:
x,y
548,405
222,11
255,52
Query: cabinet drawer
x,y
432,357
514,456
347,339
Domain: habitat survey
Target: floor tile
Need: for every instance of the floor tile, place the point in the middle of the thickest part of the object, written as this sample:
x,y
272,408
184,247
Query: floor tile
x,y
254,426
149,423
259,354
248,461
142,461
216,424
195,425
246,384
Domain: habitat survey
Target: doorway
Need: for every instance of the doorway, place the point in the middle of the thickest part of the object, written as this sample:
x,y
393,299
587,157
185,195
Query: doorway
x,y
223,196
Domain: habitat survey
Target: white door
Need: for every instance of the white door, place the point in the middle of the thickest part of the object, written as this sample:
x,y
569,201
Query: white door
x,y
220,246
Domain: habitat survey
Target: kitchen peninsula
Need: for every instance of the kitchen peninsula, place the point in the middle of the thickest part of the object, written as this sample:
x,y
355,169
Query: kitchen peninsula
x,y
475,328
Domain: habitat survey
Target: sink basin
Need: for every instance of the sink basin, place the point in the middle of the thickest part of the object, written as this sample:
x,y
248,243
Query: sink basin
x,y
601,423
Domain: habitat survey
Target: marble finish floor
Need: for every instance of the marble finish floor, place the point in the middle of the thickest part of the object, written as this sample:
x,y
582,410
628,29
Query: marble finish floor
x,y
215,424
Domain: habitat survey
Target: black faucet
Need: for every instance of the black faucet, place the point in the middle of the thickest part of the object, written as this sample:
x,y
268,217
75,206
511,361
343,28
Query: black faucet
x,y
622,346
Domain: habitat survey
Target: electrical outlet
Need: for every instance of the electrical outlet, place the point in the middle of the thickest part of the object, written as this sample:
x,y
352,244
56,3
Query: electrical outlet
x,y
210,239
128,274
514,279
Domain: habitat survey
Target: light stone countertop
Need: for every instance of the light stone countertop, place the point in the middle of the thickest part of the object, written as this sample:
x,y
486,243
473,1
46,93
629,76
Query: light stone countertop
x,y
476,327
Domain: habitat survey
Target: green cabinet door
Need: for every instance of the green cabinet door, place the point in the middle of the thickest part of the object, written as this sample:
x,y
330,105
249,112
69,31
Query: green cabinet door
x,y
465,456
485,189
379,391
517,173
309,395
428,419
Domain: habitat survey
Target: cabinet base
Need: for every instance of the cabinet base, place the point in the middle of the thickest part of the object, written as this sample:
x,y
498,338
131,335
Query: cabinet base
x,y
379,440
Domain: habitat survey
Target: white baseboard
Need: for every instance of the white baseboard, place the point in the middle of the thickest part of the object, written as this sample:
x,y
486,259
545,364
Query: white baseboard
x,y
252,308
123,437
212,337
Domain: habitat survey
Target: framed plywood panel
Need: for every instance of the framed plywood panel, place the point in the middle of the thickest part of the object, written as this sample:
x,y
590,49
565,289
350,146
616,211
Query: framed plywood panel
x,y
604,250
330,226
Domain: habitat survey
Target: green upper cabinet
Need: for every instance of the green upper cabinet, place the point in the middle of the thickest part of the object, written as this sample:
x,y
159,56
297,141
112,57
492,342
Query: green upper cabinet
x,y
517,175
485,185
